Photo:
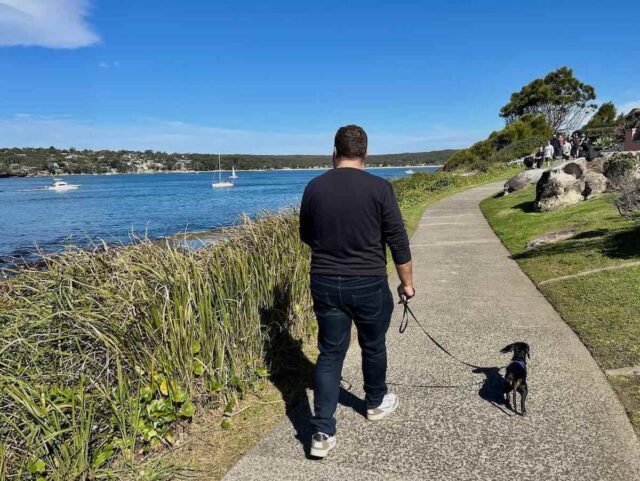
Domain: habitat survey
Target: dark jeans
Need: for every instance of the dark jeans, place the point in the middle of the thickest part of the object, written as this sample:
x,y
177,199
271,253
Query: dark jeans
x,y
337,301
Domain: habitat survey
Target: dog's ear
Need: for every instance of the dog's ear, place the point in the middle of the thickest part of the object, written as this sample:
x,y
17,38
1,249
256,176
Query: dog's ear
x,y
527,350
507,348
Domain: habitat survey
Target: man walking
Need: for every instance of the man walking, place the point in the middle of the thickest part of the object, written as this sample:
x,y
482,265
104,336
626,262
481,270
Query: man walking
x,y
348,217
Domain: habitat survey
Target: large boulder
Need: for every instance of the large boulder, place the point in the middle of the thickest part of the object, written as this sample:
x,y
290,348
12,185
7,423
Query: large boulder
x,y
560,186
522,180
594,184
597,165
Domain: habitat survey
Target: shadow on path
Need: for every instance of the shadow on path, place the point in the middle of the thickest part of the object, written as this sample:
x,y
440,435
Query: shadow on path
x,y
291,370
493,387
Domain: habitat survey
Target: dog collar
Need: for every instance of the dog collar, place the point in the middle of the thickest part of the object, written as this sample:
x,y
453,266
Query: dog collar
x,y
522,363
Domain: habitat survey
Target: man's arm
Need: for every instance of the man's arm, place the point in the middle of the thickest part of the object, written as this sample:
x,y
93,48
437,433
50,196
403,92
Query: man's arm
x,y
395,236
405,273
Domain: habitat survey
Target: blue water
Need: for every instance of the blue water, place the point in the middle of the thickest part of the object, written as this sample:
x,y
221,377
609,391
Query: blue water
x,y
156,205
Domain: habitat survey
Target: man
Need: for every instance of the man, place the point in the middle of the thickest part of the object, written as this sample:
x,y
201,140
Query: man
x,y
566,149
548,153
557,142
348,217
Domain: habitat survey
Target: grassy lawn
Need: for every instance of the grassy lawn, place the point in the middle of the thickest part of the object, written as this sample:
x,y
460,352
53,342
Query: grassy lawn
x,y
603,308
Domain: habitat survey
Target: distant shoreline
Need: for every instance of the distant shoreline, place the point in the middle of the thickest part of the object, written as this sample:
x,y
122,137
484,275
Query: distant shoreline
x,y
284,169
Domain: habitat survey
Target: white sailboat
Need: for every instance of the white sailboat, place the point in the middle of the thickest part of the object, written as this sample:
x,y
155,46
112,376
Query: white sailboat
x,y
220,183
233,172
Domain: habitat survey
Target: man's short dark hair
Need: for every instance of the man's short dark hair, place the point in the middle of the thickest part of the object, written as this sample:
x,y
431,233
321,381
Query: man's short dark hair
x,y
351,142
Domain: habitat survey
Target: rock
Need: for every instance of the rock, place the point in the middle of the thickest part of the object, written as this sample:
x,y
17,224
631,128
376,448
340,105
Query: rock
x,y
560,186
594,184
551,238
597,165
529,162
522,180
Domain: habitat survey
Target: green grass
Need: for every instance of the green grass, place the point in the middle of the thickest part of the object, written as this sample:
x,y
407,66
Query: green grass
x,y
106,355
603,308
628,389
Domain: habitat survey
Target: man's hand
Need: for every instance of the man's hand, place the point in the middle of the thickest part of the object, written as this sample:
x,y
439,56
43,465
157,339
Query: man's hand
x,y
405,293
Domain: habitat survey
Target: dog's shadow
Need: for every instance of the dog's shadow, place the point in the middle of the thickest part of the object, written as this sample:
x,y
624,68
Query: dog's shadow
x,y
493,388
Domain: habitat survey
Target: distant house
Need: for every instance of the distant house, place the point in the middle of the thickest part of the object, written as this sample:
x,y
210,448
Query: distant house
x,y
632,130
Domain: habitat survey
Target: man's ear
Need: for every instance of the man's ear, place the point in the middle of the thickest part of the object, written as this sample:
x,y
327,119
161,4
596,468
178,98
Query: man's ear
x,y
507,348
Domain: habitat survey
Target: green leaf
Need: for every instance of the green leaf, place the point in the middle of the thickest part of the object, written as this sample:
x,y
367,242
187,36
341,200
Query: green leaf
x,y
262,372
164,388
146,393
102,455
178,395
195,347
226,424
198,367
187,410
37,467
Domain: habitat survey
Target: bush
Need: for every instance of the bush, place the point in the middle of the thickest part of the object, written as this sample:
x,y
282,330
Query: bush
x,y
519,138
517,149
628,202
619,167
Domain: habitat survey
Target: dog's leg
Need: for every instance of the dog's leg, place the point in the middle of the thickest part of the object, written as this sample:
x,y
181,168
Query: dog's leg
x,y
515,401
524,390
507,390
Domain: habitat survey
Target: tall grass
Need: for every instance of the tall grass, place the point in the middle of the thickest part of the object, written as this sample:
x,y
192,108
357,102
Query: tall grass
x,y
102,352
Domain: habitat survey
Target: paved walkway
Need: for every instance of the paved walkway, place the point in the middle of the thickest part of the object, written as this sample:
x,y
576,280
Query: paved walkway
x,y
475,300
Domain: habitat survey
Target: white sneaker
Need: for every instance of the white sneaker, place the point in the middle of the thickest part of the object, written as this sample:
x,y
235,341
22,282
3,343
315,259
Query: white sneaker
x,y
388,405
321,444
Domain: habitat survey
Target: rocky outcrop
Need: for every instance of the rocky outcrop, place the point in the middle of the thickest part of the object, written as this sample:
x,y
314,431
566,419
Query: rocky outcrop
x,y
560,186
570,182
594,184
522,180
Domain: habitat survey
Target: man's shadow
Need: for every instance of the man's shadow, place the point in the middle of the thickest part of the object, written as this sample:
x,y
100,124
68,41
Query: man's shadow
x,y
291,371
493,387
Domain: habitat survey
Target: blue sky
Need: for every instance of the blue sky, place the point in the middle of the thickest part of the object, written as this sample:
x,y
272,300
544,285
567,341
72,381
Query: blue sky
x,y
281,76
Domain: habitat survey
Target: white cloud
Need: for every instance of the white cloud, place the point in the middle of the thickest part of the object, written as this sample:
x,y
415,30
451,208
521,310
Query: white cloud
x,y
46,23
114,64
177,136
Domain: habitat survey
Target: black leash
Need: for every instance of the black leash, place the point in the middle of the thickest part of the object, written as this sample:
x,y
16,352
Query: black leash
x,y
404,323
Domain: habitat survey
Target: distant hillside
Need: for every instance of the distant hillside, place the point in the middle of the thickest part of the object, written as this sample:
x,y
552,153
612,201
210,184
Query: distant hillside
x,y
41,161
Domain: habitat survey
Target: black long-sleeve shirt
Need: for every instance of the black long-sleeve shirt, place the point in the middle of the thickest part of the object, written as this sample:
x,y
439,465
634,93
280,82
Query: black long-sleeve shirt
x,y
347,216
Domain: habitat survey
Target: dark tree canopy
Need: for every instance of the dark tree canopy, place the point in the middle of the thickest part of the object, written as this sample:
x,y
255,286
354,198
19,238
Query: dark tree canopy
x,y
606,116
559,96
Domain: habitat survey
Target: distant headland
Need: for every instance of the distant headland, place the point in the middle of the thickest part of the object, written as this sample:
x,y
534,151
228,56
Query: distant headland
x,y
22,162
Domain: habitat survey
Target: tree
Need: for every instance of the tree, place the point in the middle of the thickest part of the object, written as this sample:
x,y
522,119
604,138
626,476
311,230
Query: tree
x,y
606,116
559,96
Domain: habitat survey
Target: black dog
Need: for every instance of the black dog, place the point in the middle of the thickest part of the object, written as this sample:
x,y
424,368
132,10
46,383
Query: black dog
x,y
516,376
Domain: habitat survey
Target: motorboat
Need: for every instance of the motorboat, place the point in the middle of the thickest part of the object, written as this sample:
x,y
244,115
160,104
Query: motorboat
x,y
60,185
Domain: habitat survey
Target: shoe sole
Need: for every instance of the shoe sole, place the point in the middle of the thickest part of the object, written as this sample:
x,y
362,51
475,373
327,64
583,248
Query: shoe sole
x,y
382,415
320,453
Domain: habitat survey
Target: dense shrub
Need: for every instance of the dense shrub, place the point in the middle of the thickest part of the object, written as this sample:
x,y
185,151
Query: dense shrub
x,y
519,138
620,166
517,149
628,202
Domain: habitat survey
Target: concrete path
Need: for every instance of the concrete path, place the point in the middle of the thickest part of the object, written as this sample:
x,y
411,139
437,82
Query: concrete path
x,y
474,299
